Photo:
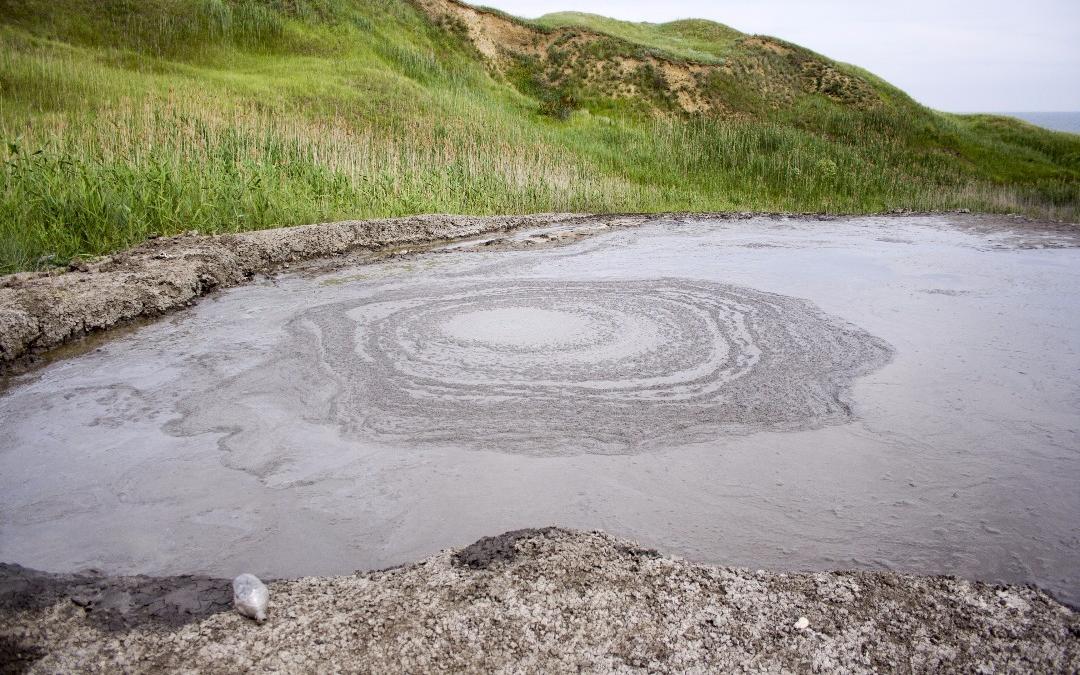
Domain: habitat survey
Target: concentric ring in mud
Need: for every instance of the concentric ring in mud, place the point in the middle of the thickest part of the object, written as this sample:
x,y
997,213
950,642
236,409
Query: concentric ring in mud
x,y
558,367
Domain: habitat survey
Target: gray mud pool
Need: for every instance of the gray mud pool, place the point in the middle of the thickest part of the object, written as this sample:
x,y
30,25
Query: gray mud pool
x,y
876,393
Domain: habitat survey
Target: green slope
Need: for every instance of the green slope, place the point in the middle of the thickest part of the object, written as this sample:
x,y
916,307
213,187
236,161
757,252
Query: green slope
x,y
127,118
695,39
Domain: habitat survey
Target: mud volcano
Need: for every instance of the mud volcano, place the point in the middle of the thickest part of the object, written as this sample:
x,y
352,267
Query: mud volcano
x,y
545,367
691,385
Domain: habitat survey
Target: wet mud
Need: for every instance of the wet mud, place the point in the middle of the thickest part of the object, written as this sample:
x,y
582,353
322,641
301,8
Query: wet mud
x,y
890,394
548,367
116,604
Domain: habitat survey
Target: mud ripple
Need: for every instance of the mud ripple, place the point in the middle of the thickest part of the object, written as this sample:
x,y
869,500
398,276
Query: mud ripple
x,y
554,367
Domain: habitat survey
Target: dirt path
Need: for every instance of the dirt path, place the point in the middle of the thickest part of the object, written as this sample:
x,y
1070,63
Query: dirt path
x,y
547,600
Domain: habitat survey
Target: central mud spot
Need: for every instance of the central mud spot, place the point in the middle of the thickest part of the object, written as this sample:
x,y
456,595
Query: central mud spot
x,y
523,327
565,367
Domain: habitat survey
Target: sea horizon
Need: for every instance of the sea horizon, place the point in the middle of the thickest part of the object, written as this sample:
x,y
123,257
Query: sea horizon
x,y
1055,120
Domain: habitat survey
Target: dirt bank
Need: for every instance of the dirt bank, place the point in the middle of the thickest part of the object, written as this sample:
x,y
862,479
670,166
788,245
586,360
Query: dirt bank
x,y
541,601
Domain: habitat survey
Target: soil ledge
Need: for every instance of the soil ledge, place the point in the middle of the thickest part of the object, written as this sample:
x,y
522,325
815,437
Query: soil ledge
x,y
538,600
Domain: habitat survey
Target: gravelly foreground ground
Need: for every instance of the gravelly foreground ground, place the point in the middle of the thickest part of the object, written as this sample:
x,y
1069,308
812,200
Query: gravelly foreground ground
x,y
539,601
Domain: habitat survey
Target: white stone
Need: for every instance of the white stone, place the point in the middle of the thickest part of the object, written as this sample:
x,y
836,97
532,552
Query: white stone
x,y
250,596
803,623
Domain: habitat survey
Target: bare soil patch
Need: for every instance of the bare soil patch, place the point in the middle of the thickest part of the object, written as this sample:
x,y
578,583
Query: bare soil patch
x,y
555,600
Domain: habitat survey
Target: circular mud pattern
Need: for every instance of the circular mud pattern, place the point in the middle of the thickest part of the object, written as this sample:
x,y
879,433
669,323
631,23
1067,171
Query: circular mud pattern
x,y
556,367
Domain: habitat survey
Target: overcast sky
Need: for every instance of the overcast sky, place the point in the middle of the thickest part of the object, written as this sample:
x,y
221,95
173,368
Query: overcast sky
x,y
954,55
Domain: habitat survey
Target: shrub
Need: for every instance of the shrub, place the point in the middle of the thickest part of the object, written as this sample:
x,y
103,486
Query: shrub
x,y
559,106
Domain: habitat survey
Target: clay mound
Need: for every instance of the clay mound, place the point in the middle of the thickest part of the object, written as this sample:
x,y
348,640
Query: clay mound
x,y
558,600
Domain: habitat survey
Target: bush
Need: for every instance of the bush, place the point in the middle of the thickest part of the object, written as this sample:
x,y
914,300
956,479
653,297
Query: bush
x,y
559,106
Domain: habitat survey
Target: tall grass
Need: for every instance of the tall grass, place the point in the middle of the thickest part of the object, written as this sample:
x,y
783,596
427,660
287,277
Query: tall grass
x,y
109,180
124,120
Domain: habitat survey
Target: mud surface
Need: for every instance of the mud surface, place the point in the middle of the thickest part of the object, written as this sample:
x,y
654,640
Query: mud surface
x,y
551,367
116,603
907,400
488,551
556,601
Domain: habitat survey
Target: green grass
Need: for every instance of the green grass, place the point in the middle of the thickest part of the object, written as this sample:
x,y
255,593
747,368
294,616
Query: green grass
x,y
694,39
127,118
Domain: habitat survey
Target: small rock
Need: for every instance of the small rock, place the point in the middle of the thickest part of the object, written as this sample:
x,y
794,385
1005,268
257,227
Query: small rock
x,y
803,623
250,596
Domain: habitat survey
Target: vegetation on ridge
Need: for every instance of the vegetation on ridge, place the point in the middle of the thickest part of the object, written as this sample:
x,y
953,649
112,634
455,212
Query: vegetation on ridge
x,y
694,39
125,119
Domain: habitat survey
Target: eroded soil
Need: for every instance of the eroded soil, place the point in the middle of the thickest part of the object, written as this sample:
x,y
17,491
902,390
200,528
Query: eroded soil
x,y
553,600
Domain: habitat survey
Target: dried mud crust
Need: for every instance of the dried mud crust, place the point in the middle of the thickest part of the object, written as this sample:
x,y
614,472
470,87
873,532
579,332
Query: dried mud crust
x,y
553,600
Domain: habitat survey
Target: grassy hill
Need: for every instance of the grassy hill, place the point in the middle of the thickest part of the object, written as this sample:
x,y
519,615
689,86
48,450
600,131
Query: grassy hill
x,y
693,39
128,118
